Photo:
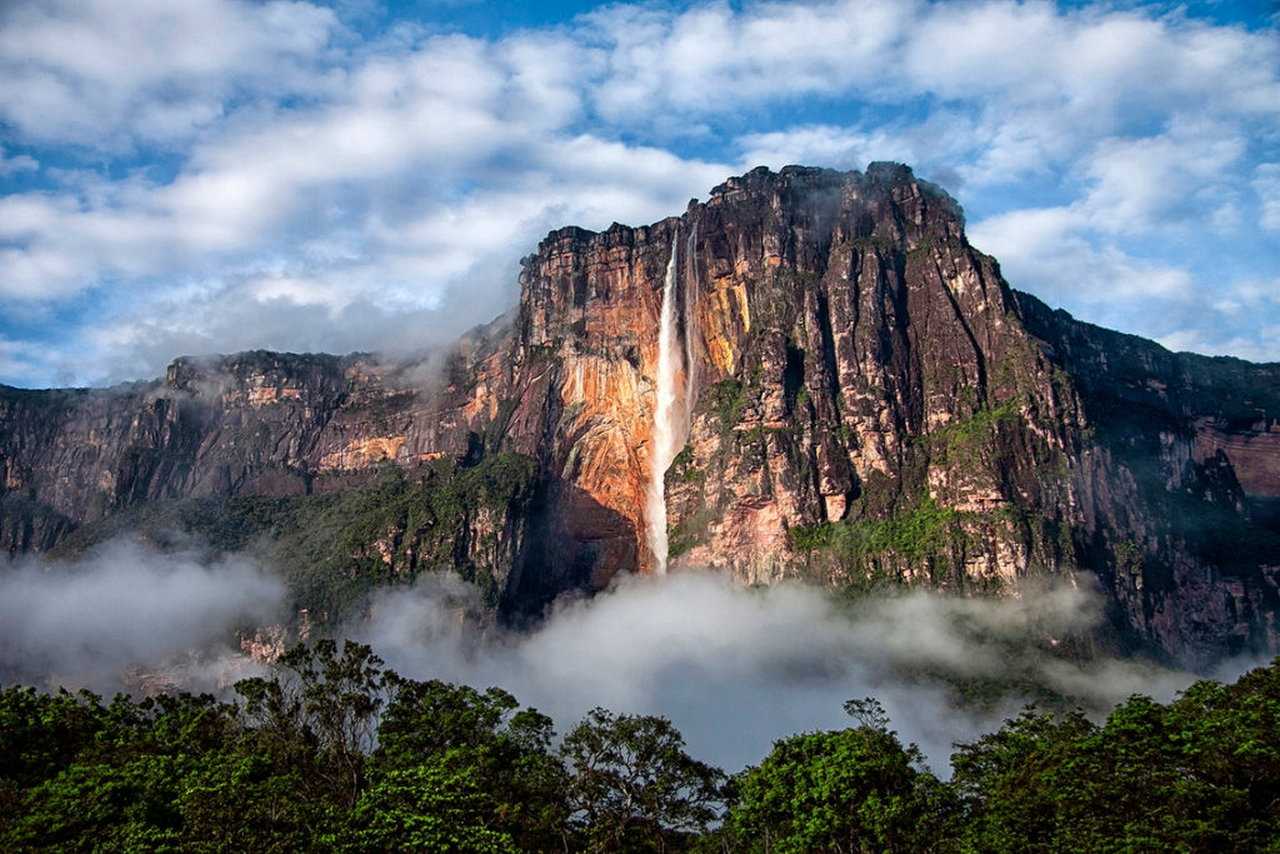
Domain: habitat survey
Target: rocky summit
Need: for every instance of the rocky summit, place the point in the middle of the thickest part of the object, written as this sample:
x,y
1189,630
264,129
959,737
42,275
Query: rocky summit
x,y
859,399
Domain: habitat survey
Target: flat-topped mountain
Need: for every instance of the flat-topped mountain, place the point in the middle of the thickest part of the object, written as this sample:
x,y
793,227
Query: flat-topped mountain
x,y
812,375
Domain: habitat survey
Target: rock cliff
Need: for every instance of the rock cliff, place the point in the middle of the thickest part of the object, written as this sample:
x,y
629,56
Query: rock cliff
x,y
864,400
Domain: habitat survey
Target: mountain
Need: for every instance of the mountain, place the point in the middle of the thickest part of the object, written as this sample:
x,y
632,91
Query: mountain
x,y
849,393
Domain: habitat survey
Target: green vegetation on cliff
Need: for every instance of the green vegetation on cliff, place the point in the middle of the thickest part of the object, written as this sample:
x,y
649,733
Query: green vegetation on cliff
x,y
959,441
331,548
728,399
862,546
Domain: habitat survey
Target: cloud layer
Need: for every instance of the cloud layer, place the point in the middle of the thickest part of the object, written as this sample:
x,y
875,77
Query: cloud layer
x,y
217,175
734,668
127,608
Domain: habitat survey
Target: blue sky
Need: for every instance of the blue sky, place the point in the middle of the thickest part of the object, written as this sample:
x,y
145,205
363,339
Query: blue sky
x,y
214,175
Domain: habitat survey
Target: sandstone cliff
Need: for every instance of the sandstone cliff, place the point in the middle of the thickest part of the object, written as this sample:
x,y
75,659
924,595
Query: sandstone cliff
x,y
865,401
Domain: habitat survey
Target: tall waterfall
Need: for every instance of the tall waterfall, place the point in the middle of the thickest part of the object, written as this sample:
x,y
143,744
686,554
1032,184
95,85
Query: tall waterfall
x,y
668,420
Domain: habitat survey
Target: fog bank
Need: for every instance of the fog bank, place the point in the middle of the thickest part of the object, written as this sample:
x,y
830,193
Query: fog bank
x,y
126,616
734,668
737,668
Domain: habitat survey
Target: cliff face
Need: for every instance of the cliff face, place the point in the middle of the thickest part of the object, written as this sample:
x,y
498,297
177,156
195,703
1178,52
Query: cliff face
x,y
864,399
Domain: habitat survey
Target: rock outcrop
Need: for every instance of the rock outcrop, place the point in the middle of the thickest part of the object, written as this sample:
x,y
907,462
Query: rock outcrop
x,y
865,401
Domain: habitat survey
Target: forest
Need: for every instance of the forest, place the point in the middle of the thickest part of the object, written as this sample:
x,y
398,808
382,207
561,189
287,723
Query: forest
x,y
332,750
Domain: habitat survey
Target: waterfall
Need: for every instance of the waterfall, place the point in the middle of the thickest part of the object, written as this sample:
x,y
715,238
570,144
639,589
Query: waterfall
x,y
667,418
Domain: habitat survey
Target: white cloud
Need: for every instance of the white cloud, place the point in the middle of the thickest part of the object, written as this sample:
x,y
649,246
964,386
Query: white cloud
x,y
1243,323
319,170
1182,182
693,647
437,167
712,59
1045,82
1155,181
83,624
1266,183
934,146
18,163
108,73
1259,347
700,650
1046,251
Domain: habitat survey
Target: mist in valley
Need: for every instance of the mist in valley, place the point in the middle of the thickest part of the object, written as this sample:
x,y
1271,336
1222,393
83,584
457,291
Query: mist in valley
x,y
128,617
734,668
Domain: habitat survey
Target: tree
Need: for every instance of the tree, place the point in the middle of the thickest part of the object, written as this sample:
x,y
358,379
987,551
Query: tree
x,y
434,805
1003,780
321,711
442,732
851,790
1199,774
633,787
123,786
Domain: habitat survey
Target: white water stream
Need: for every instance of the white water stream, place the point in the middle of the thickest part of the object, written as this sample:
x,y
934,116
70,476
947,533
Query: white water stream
x,y
668,420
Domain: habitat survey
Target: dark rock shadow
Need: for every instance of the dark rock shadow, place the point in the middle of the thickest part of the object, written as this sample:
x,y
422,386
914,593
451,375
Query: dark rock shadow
x,y
574,544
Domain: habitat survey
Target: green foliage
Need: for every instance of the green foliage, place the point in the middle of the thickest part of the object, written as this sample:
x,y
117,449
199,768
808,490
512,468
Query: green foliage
x,y
332,548
331,701
682,469
856,789
728,398
634,788
689,531
1129,558
920,532
876,242
960,441
435,805
334,752
501,752
1200,774
921,254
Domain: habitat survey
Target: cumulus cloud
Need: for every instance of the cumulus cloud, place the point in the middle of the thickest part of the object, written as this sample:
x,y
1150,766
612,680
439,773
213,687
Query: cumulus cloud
x,y
1046,82
934,147
1051,248
10,165
712,58
1242,322
111,74
126,611
1266,183
1160,181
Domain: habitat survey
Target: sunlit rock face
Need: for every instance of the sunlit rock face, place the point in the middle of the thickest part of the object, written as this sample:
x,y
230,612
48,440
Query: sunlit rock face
x,y
861,396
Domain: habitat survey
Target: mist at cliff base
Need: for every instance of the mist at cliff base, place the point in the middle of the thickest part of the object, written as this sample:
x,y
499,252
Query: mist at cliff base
x,y
738,668
734,668
129,618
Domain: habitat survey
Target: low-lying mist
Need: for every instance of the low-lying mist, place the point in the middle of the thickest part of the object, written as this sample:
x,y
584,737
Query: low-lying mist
x,y
126,615
734,668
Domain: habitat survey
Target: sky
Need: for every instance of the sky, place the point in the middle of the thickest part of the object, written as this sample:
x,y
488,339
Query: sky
x,y
215,175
